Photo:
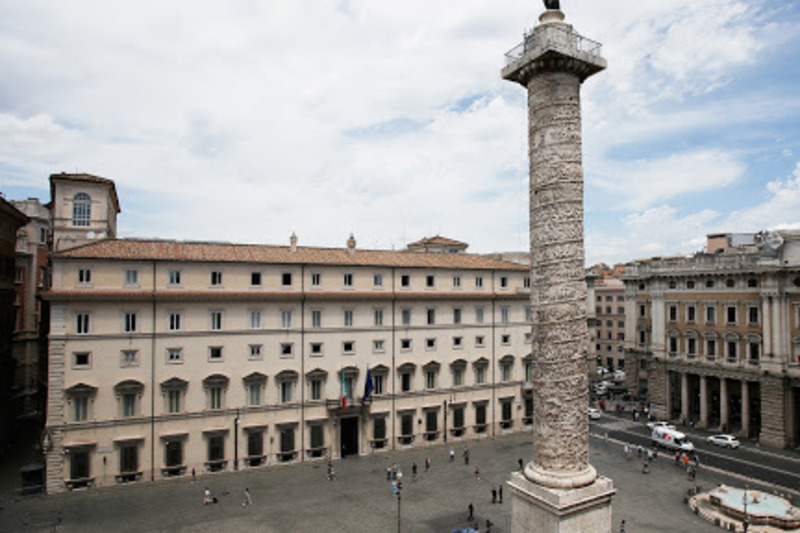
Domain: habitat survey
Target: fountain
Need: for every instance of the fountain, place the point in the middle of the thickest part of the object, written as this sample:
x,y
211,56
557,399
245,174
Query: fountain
x,y
735,509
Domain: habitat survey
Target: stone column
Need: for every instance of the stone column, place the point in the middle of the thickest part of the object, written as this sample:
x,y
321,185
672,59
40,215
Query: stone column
x,y
703,402
668,399
685,396
745,408
723,402
766,321
559,491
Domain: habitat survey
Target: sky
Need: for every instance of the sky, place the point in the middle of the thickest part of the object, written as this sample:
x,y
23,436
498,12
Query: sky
x,y
246,121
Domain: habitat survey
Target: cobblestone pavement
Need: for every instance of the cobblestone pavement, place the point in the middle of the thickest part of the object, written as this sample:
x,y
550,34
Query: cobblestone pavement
x,y
299,498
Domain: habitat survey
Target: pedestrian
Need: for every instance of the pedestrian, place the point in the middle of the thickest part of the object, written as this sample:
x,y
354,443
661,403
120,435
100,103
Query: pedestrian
x,y
414,469
452,455
248,500
640,450
645,467
489,525
622,527
685,460
521,466
494,495
331,471
477,472
677,458
500,493
466,455
388,473
207,498
194,476
470,508
427,464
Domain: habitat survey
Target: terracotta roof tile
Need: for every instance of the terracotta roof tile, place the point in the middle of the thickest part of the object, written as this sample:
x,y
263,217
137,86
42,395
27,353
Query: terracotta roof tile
x,y
162,250
438,240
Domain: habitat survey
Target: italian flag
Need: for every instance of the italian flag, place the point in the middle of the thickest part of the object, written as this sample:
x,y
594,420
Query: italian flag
x,y
344,392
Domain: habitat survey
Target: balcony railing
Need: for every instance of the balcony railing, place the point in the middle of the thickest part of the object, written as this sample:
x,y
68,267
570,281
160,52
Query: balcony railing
x,y
556,39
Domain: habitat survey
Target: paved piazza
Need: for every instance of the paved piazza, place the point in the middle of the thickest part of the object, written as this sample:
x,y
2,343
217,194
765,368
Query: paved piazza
x,y
299,498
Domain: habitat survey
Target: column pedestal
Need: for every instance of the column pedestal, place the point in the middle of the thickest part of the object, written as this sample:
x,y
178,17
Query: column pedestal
x,y
546,510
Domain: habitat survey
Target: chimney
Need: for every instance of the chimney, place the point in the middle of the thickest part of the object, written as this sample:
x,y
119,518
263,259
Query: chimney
x,y
293,242
351,245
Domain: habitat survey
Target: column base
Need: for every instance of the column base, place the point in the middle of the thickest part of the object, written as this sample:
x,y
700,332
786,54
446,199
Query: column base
x,y
547,510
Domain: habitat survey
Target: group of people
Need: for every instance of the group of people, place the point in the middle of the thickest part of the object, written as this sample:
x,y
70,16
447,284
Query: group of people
x,y
690,463
209,498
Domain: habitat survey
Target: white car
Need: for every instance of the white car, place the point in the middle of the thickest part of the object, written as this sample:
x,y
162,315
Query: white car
x,y
618,376
594,414
726,441
660,424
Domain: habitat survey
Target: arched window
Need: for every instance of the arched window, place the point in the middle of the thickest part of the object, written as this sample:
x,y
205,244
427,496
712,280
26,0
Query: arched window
x,y
81,209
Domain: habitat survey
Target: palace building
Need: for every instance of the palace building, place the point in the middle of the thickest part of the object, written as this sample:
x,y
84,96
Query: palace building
x,y
716,335
171,357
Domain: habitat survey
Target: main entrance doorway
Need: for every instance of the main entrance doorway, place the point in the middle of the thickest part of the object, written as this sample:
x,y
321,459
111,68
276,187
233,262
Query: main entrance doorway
x,y
349,436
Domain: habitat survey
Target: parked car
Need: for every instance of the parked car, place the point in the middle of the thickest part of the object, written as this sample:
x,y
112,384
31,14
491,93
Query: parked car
x,y
660,424
602,372
594,414
601,388
726,441
618,376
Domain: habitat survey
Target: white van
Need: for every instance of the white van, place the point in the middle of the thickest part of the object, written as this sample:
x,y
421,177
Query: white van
x,y
671,439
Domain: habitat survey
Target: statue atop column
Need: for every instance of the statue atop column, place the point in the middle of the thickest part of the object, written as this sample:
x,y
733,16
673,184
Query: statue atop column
x,y
552,4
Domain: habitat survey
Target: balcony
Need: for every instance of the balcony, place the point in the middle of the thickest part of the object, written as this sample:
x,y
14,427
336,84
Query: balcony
x,y
543,39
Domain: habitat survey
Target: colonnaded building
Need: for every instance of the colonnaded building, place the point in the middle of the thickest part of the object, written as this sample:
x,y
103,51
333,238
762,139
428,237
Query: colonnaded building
x,y
172,357
717,335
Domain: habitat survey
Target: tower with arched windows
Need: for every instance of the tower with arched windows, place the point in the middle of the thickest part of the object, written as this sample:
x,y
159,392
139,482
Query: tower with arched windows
x,y
84,209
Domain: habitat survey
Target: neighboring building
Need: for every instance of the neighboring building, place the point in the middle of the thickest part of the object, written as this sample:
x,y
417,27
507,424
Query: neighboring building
x,y
717,335
608,333
84,208
30,333
11,219
439,245
168,357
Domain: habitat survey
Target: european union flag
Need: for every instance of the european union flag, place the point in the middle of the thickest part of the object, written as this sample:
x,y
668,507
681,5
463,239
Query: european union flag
x,y
369,386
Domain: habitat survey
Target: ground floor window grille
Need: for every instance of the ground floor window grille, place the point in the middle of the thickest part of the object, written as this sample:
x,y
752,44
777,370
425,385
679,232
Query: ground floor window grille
x,y
480,418
255,448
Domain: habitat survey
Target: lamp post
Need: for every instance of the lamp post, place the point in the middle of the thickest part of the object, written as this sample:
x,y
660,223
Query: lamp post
x,y
236,441
746,522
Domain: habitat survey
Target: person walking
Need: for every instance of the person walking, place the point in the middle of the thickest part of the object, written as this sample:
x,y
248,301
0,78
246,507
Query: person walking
x,y
521,466
477,472
427,464
248,500
414,469
194,475
494,495
500,493
622,527
471,510
466,455
452,455
207,498
489,525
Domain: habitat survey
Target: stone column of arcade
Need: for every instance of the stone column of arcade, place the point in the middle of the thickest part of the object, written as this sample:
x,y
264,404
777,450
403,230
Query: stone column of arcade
x,y
559,491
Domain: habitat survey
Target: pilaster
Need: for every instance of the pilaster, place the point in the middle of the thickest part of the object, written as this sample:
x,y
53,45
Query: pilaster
x,y
773,412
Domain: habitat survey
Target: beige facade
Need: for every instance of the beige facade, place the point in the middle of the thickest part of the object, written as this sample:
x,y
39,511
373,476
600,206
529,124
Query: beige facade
x,y
717,335
608,333
169,357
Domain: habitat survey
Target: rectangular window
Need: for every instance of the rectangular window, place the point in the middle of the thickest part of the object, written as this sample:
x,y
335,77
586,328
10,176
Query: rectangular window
x,y
378,380
478,282
405,382
128,404
480,374
316,348
216,277
755,351
316,318
505,373
673,345
479,315
430,281
80,408
348,318
529,337
255,279
711,315
255,351
505,340
503,282
405,280
405,344
458,377
215,398
643,311
348,347
316,389
286,391
286,279
673,313
174,355
405,317
255,447
286,319
377,280
378,346
129,325
456,282
81,359
711,348
379,428
129,358
752,316
215,353
457,315
458,417
691,314
174,400
255,319
480,341
132,277
82,323
84,275
287,349
733,352
431,316
458,343
526,282
504,315
730,314
216,320
254,394
316,279
174,321
174,277
348,280
430,344
691,347
378,317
